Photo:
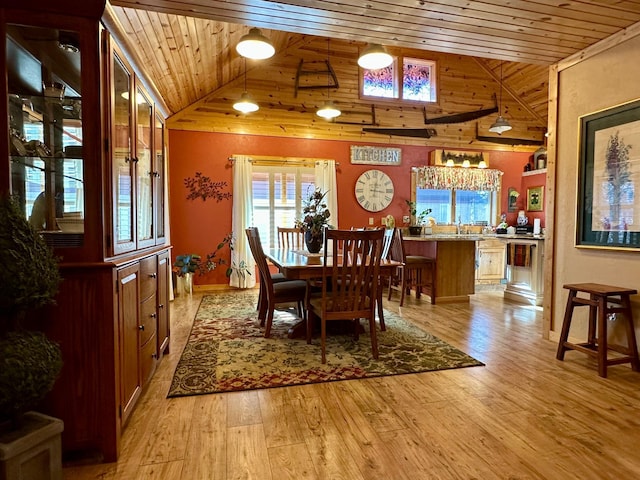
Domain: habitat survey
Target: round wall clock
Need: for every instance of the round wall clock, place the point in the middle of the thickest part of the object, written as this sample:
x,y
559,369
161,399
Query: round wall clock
x,y
374,190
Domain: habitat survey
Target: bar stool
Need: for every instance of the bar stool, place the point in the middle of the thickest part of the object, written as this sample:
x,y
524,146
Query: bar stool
x,y
416,271
603,300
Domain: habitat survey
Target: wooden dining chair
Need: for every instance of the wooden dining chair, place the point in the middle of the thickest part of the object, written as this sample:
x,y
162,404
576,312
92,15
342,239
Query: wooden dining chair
x,y
416,272
290,238
349,291
387,240
286,291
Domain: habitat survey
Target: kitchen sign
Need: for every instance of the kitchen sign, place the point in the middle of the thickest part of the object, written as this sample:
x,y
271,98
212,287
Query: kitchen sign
x,y
376,155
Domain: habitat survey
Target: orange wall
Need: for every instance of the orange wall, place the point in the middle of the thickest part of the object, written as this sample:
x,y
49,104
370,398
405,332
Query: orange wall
x,y
197,226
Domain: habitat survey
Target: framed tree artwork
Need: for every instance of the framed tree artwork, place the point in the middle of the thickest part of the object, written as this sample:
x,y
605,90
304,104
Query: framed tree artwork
x,y
608,214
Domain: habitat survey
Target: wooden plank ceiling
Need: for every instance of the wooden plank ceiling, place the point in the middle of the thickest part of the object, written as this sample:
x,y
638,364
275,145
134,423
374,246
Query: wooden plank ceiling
x,y
187,47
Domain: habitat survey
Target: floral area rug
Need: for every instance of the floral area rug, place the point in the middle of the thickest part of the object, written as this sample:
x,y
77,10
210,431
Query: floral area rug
x,y
226,351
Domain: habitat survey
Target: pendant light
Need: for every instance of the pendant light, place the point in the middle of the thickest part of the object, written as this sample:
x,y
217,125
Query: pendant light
x,y
375,57
255,46
328,110
246,104
501,124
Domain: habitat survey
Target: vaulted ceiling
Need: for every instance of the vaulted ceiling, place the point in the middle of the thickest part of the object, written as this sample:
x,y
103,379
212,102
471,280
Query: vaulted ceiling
x,y
187,47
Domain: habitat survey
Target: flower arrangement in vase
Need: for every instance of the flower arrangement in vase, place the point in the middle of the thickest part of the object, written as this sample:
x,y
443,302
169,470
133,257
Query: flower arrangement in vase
x,y
315,218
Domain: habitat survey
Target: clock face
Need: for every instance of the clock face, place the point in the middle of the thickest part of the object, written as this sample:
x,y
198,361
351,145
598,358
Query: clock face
x,y
374,190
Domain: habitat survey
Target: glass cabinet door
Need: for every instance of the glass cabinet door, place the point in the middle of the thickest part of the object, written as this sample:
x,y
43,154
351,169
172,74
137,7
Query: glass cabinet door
x,y
45,122
123,160
144,168
159,176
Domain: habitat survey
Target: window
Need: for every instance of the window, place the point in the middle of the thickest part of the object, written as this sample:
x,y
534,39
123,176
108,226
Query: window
x,y
468,207
72,169
418,82
277,198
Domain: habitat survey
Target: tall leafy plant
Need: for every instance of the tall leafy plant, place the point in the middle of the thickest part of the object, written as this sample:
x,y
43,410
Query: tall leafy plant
x,y
29,279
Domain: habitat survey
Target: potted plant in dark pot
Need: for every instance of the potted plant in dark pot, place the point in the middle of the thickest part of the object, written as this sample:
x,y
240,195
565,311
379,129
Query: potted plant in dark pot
x,y
29,362
315,219
418,218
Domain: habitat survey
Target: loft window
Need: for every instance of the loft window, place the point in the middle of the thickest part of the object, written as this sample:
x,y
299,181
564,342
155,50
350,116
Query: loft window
x,y
415,82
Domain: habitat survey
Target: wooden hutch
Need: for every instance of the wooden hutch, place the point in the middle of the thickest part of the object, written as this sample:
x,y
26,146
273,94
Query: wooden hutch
x,y
86,150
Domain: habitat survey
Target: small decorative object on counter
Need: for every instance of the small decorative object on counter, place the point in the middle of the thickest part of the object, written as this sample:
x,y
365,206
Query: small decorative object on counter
x,y
501,229
522,219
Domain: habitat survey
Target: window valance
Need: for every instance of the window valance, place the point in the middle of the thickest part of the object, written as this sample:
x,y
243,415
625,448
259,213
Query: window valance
x,y
447,178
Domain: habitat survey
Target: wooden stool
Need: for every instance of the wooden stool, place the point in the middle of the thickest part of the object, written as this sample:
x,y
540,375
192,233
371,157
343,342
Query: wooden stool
x,y
603,300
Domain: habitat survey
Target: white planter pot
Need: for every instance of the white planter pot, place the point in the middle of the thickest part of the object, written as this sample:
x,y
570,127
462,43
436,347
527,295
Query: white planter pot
x,y
33,451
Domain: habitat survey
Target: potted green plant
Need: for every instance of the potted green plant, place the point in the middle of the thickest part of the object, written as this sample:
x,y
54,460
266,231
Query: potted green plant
x,y
419,219
188,264
184,267
213,261
29,362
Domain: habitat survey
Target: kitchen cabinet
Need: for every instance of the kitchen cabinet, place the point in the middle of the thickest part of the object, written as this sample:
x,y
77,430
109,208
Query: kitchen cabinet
x,y
85,155
490,260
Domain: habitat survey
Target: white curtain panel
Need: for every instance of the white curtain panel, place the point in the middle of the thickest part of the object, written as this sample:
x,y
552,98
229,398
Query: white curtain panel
x,y
241,219
325,171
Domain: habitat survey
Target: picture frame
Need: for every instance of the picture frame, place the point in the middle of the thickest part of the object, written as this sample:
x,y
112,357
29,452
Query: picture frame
x,y
608,215
512,196
535,199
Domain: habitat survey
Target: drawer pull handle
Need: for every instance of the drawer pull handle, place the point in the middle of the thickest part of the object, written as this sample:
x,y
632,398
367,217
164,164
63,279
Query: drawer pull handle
x,y
161,305
141,327
152,275
153,315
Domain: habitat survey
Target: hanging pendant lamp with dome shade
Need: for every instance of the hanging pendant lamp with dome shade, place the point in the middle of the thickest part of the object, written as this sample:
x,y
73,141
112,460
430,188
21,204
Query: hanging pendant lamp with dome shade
x,y
329,109
374,57
255,46
501,124
246,104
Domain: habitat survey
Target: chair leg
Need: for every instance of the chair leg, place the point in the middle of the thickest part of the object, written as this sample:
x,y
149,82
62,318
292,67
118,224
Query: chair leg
x,y
374,338
310,319
263,304
323,339
267,330
380,313
403,284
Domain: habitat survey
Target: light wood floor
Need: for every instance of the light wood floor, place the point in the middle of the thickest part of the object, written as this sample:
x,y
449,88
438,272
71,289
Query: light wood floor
x,y
524,415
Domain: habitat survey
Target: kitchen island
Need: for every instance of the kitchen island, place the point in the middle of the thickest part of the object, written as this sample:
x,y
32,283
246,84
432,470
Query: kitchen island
x,y
455,256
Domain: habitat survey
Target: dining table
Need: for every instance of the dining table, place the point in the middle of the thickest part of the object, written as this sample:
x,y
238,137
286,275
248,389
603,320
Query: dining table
x,y
303,265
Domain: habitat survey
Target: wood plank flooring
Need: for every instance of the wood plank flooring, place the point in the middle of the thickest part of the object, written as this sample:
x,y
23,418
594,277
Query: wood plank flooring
x,y
524,415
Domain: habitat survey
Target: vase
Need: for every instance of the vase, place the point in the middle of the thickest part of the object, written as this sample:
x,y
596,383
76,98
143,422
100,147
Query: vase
x,y
313,242
415,230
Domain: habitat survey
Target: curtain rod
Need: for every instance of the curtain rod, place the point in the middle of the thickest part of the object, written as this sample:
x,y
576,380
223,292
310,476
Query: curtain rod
x,y
283,161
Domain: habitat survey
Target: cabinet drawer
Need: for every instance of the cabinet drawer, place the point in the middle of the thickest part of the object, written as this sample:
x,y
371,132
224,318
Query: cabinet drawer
x,y
148,322
148,277
148,360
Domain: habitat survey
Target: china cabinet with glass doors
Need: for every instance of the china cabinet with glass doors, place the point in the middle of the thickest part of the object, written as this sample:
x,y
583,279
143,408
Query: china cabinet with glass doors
x,y
85,150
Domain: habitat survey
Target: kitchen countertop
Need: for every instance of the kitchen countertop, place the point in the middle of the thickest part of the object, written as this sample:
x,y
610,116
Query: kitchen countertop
x,y
466,237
